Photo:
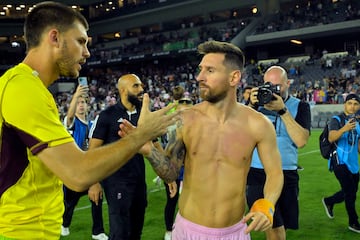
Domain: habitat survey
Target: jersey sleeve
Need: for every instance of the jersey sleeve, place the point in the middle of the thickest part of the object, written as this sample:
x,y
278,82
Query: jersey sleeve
x,y
334,124
99,127
29,107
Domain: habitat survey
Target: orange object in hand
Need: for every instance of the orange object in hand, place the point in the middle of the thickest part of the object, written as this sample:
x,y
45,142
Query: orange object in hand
x,y
265,206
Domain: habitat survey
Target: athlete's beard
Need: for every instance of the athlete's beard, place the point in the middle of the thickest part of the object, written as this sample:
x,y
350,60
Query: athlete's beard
x,y
66,63
211,97
134,100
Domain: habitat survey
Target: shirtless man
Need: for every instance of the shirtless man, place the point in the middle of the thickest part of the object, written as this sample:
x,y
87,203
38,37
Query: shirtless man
x,y
215,141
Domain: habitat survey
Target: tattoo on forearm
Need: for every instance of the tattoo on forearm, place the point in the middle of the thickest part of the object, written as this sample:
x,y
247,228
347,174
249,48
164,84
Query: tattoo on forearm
x,y
167,164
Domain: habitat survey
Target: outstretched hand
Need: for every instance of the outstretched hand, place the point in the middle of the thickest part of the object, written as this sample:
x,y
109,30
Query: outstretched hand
x,y
151,124
126,128
159,119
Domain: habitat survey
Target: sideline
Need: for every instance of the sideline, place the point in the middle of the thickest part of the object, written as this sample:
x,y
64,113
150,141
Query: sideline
x,y
309,152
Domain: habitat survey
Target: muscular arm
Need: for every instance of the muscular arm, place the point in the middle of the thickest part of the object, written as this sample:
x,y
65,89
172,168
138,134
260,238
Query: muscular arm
x,y
271,160
79,170
167,163
297,128
95,142
298,134
336,133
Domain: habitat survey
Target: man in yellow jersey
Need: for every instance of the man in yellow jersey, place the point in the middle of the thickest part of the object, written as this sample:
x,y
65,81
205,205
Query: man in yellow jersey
x,y
37,153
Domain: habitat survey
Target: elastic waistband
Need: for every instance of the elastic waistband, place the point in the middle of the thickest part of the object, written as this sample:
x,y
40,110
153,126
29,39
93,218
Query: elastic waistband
x,y
216,232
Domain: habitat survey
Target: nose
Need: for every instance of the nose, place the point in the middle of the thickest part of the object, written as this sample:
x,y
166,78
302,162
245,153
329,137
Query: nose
x,y
86,53
198,77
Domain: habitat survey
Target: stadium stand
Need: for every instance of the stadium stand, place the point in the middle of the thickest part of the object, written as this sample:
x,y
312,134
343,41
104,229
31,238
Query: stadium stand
x,y
130,37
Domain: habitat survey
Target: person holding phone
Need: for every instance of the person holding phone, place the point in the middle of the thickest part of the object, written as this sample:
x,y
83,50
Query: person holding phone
x,y
78,124
83,81
347,171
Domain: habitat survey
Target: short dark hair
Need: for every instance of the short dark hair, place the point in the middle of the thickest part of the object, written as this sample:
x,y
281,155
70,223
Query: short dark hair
x,y
178,92
234,56
49,14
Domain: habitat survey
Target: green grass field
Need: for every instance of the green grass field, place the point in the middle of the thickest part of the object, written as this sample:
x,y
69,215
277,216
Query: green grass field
x,y
315,182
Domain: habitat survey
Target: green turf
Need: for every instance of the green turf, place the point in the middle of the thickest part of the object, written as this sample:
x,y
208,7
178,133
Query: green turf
x,y
315,182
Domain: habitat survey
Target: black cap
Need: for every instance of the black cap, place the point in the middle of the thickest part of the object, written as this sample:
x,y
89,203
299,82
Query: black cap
x,y
352,96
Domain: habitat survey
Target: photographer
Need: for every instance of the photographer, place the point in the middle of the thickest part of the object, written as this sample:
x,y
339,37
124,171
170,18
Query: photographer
x,y
291,119
347,170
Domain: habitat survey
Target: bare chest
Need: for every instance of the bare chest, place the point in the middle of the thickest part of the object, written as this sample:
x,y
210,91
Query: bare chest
x,y
229,142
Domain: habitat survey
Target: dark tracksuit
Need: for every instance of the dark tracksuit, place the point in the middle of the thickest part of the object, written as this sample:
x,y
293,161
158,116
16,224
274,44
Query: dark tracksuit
x,y
125,190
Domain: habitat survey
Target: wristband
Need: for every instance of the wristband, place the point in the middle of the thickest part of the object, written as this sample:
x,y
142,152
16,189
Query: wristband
x,y
265,206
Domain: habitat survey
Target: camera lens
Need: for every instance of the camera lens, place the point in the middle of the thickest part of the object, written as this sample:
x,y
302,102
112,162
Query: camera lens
x,y
264,96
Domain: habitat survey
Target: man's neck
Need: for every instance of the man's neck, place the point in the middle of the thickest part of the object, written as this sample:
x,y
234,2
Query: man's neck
x,y
130,107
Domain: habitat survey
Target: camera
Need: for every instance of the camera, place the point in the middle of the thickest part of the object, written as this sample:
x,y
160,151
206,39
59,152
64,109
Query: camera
x,y
265,93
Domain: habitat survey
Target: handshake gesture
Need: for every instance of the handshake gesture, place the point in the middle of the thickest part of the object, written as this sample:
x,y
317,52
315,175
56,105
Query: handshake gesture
x,y
151,124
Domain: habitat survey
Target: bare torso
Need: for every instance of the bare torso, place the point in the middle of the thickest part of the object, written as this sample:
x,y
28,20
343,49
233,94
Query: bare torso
x,y
217,161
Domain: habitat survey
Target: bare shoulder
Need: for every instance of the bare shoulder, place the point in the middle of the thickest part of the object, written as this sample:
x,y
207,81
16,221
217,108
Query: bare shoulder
x,y
257,122
192,112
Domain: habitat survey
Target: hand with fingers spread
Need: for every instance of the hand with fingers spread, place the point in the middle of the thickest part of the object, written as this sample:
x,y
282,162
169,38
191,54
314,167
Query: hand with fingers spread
x,y
125,128
150,124
155,123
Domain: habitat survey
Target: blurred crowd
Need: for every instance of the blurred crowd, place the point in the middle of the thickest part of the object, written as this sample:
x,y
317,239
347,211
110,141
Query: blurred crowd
x,y
332,85
318,80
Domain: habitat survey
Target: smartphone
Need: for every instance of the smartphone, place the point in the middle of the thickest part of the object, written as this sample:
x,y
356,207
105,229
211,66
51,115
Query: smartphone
x,y
352,118
83,81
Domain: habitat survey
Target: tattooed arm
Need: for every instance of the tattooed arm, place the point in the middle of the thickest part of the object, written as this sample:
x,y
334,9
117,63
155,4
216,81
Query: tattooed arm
x,y
167,163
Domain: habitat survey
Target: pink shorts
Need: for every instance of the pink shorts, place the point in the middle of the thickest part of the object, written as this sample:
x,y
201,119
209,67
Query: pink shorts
x,y
186,230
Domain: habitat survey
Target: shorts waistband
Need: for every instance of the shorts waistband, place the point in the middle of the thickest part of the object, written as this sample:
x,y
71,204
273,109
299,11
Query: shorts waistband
x,y
240,226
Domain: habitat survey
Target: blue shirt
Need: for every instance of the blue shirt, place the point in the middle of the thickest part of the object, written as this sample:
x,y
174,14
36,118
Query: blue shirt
x,y
347,145
80,131
288,149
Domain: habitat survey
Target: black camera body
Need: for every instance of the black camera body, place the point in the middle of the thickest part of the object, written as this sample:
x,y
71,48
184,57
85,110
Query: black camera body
x,y
265,93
